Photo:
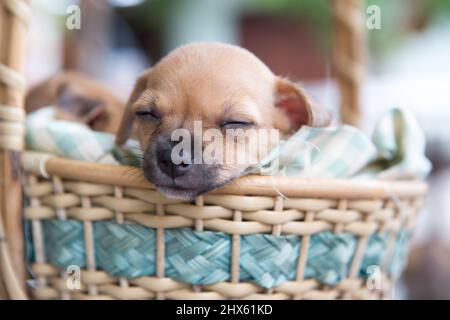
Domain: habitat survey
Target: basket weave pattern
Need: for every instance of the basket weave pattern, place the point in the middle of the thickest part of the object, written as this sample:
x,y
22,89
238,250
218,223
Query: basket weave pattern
x,y
94,215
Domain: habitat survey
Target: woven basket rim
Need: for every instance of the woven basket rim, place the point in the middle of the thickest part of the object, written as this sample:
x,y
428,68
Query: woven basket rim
x,y
252,185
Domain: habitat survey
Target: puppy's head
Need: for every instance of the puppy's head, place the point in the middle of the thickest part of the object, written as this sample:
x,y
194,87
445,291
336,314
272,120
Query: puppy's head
x,y
197,112
78,98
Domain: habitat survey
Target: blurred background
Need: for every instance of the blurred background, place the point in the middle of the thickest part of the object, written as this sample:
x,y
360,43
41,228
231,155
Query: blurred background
x,y
407,60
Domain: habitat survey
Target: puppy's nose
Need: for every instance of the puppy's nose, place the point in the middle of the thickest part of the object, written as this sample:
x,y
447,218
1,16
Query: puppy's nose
x,y
167,166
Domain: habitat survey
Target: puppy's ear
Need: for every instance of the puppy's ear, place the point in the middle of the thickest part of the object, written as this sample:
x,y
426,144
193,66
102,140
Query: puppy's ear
x,y
298,106
126,124
41,95
73,104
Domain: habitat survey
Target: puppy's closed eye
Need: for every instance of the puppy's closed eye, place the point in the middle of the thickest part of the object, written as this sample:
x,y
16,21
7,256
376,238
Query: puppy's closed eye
x,y
147,115
237,124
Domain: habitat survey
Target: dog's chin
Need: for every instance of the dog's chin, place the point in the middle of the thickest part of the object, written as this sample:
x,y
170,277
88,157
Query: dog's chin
x,y
187,194
186,190
178,193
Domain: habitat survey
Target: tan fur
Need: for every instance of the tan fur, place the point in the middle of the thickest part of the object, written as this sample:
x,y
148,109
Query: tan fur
x,y
213,82
107,116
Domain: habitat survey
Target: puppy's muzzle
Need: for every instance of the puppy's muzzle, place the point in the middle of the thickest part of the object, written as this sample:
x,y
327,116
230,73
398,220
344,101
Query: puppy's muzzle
x,y
175,173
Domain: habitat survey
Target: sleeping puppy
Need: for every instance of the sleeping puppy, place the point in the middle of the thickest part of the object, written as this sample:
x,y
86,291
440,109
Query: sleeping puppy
x,y
217,88
78,98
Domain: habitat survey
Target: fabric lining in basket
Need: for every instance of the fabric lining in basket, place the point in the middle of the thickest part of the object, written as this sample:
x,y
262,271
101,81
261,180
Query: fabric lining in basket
x,y
328,240
202,258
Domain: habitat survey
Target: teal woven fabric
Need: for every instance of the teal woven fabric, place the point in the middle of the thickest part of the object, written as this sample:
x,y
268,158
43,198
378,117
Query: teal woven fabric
x,y
203,257
377,243
268,260
124,250
400,255
329,256
197,257
29,250
64,242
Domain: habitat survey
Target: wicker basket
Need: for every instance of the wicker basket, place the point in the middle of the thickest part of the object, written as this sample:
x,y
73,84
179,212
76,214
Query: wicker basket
x,y
240,242
93,193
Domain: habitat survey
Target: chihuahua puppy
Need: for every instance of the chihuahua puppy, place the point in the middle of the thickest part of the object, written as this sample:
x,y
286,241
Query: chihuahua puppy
x,y
78,98
222,87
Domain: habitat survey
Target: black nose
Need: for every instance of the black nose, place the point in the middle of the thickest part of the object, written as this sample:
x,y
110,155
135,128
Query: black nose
x,y
167,166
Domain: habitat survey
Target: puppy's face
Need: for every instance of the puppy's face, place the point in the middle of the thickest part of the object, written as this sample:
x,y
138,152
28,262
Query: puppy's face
x,y
207,112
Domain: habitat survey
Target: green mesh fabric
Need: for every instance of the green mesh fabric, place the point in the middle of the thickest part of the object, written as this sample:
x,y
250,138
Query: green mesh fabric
x,y
203,257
